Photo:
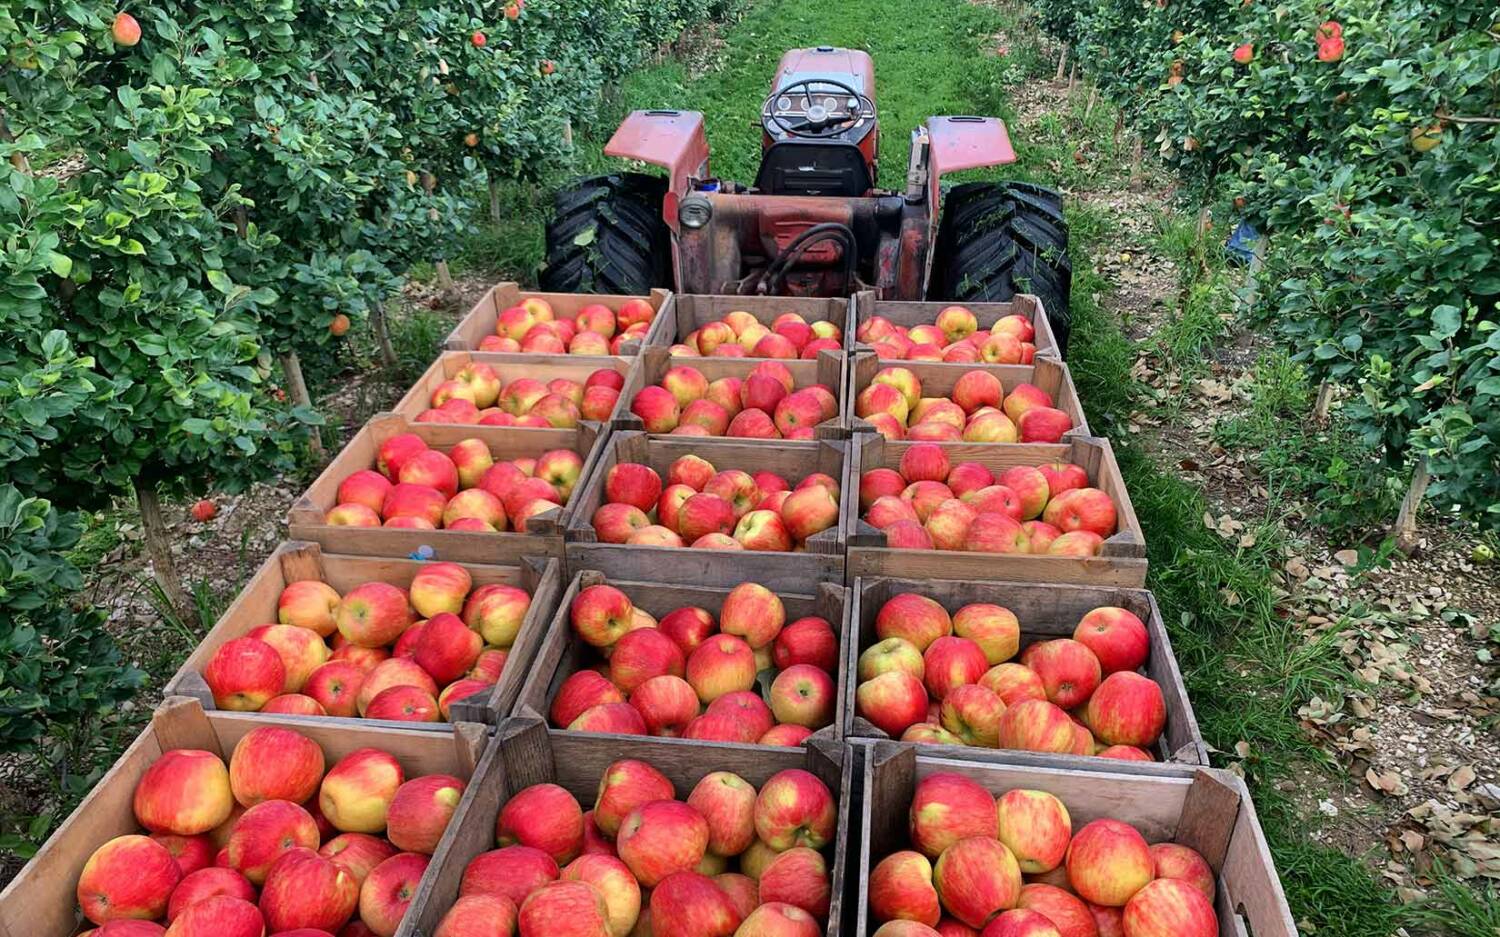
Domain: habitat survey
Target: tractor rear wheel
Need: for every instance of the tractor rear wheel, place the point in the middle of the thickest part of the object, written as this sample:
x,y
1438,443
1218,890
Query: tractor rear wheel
x,y
607,236
997,239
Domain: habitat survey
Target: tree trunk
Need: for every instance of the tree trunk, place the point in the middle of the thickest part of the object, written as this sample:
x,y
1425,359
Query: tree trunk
x,y
1062,65
444,278
494,199
567,132
1320,407
1072,77
1135,163
1405,530
159,548
1088,109
1119,128
383,334
297,386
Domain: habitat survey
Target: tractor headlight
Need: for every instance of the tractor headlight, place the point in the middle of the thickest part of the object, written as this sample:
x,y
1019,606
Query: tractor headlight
x,y
694,212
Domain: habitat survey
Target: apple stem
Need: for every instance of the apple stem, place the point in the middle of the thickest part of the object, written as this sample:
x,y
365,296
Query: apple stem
x,y
159,548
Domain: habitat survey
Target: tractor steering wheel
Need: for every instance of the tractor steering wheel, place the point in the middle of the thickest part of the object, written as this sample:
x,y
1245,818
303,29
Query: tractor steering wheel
x,y
840,107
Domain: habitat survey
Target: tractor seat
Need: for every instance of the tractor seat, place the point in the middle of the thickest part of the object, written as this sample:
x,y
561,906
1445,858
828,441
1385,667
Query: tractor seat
x,y
814,168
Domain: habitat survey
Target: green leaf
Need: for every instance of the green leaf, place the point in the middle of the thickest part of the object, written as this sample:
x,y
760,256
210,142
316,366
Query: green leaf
x,y
61,264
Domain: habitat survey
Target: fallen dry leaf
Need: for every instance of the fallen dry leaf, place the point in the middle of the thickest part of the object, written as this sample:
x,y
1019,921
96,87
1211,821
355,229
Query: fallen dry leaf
x,y
1461,778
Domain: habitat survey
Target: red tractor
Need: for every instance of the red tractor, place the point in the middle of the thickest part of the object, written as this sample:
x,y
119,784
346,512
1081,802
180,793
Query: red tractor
x,y
813,223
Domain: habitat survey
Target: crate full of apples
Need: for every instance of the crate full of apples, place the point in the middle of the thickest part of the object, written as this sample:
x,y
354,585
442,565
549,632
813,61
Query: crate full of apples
x,y
944,403
508,321
739,399
463,493
684,661
547,393
348,637
718,511
1013,332
1056,513
784,327
1028,667
1021,851
227,825
563,834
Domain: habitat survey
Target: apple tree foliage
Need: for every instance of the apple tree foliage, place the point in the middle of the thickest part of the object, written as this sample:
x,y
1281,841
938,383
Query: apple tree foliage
x,y
1373,165
177,212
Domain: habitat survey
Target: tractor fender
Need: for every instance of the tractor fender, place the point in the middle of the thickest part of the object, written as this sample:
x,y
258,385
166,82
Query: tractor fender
x,y
673,140
958,143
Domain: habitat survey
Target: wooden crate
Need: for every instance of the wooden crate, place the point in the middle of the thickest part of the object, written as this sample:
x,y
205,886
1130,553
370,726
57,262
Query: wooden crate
x,y
510,367
1203,808
938,378
828,369
294,562
1121,561
693,311
562,653
527,753
908,314
40,901
543,535
822,561
1045,611
480,320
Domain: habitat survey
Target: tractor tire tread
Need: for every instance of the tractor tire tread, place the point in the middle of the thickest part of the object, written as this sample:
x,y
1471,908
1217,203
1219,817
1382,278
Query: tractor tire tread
x,y
631,248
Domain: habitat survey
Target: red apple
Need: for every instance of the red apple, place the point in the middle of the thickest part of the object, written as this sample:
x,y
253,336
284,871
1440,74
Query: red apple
x,y
358,790
913,617
389,890
244,674
727,803
1037,726
626,785
946,808
1068,669
1035,826
976,878
268,763
1116,636
1109,861
688,903
803,695
1170,908
794,808
479,916
661,837
1127,709
722,664
972,714
545,817
806,641
512,872
127,877
797,877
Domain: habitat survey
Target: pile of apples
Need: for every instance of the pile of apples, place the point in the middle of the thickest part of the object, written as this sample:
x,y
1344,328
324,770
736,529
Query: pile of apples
x,y
416,487
765,405
378,651
643,862
928,504
532,326
269,844
1012,866
703,507
476,394
978,410
689,676
740,335
954,335
951,680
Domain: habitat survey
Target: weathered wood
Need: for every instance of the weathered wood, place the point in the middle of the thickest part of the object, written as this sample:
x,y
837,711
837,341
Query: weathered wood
x,y
562,654
827,369
543,535
692,312
938,378
41,902
525,753
907,313
1153,804
1045,611
1121,560
824,553
481,318
510,367
256,605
